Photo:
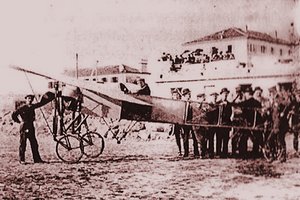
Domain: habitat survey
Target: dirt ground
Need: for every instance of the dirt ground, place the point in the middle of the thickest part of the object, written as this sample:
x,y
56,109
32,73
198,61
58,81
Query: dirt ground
x,y
138,169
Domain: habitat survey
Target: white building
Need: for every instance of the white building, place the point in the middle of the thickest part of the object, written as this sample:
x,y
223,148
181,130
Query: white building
x,y
248,57
113,74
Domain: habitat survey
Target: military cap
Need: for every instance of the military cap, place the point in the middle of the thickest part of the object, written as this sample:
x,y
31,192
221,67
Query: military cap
x,y
238,89
249,89
140,79
29,95
272,89
214,94
258,88
224,90
185,91
201,95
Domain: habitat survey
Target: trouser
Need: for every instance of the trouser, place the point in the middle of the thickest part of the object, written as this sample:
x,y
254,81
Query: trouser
x,y
27,132
295,140
243,147
201,136
177,132
187,130
222,139
235,141
282,143
257,142
211,134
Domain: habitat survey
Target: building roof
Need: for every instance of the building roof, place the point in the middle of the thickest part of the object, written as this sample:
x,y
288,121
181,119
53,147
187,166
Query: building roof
x,y
237,32
106,70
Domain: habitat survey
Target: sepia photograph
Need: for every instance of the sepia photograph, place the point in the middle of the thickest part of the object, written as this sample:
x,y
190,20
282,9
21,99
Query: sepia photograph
x,y
140,99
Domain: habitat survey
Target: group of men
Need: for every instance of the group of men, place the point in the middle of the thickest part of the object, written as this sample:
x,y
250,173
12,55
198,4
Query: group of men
x,y
276,115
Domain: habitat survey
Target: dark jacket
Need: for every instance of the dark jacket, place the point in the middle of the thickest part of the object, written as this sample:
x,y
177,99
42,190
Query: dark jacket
x,y
26,112
248,108
144,90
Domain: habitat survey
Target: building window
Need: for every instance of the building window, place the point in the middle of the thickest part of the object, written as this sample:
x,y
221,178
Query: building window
x,y
104,79
114,79
263,49
281,52
272,50
86,79
94,79
229,49
290,52
251,48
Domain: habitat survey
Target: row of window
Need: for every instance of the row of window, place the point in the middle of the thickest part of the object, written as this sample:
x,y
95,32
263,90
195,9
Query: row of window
x,y
104,79
263,49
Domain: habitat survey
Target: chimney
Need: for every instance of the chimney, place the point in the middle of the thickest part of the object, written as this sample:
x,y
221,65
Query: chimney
x,y
276,34
246,28
144,63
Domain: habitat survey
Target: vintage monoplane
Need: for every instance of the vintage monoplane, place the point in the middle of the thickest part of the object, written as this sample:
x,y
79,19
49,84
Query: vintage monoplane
x,y
74,139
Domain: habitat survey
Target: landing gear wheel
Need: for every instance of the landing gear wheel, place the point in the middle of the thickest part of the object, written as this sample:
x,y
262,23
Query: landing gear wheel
x,y
272,153
269,154
69,149
93,144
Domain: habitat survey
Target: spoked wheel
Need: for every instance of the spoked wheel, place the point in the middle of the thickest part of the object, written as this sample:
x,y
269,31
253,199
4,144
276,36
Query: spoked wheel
x,y
69,149
272,150
269,153
93,144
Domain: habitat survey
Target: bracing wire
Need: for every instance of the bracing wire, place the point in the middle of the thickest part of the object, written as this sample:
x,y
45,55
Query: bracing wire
x,y
36,100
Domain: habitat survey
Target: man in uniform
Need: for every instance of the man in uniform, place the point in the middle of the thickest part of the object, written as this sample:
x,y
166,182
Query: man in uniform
x,y
248,108
176,128
258,135
144,90
294,119
27,130
212,119
224,117
201,131
280,122
186,96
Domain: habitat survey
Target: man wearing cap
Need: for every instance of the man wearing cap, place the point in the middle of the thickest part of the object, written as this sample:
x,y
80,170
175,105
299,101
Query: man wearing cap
x,y
144,90
236,120
186,96
249,107
176,128
201,131
258,135
222,136
212,119
27,130
280,111
294,118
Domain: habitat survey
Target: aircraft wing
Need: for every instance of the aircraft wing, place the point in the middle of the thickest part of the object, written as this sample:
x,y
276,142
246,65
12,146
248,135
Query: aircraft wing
x,y
112,94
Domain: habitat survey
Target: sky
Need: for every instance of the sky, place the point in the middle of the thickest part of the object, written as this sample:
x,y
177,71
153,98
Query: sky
x,y
46,34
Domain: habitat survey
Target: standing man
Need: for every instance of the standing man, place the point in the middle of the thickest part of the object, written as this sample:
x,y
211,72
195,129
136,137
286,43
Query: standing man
x,y
212,119
201,131
280,110
186,96
176,128
237,120
249,108
294,119
27,130
258,135
223,133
